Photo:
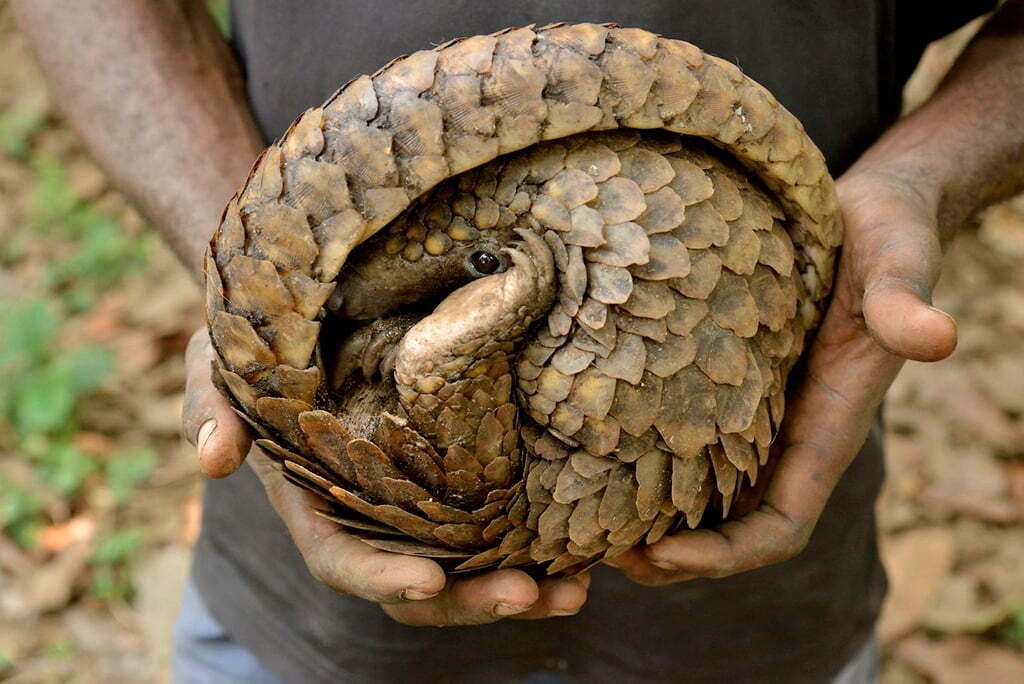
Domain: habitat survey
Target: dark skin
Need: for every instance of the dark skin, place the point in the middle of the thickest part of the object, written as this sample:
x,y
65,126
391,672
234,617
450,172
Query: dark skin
x,y
902,201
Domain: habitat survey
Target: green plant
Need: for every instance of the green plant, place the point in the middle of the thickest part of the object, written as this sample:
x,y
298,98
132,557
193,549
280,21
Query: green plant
x,y
19,513
220,10
52,201
127,468
46,375
61,648
1012,633
42,382
111,561
16,131
101,253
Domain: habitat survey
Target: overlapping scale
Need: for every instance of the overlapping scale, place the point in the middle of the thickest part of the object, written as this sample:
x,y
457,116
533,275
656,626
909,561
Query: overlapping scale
x,y
690,227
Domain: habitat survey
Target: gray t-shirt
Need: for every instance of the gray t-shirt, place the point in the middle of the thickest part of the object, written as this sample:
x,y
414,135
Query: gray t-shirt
x,y
839,66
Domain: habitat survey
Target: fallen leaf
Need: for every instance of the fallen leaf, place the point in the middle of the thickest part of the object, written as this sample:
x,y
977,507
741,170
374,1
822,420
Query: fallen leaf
x,y
969,481
979,415
160,577
1003,228
193,518
1002,510
85,178
961,660
159,415
136,350
935,62
961,606
1002,376
55,538
1015,475
917,563
13,558
93,443
50,586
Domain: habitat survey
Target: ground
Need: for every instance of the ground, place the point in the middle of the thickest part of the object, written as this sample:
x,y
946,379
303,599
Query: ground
x,y
98,493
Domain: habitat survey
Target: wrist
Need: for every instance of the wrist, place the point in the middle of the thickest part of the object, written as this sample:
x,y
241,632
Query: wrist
x,y
962,148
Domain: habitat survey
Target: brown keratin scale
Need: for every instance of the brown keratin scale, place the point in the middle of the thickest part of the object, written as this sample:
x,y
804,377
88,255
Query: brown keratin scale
x,y
526,299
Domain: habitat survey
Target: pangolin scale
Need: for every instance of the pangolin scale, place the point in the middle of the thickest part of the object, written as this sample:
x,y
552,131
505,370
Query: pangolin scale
x,y
525,299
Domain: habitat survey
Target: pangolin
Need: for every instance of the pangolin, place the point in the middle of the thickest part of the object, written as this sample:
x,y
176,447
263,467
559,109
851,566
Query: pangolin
x,y
525,299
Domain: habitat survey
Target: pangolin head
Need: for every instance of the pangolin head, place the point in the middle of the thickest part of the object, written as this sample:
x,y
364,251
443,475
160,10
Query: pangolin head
x,y
451,270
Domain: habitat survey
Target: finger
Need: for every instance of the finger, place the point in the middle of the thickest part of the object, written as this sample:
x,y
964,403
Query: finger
x,y
340,560
764,537
210,424
559,597
898,314
895,246
475,600
638,567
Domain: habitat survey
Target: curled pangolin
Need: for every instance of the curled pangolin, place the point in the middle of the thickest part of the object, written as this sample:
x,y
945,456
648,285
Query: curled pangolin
x,y
528,298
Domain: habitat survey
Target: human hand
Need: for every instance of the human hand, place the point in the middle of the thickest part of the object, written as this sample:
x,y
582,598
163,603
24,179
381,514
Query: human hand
x,y
413,591
879,316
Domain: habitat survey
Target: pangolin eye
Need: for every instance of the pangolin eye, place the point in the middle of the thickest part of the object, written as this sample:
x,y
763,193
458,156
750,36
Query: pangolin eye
x,y
484,263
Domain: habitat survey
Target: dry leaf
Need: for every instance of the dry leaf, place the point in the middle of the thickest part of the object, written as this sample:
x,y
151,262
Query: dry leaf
x,y
917,563
961,660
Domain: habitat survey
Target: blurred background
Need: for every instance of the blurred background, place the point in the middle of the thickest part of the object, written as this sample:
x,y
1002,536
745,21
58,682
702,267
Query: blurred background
x,y
98,492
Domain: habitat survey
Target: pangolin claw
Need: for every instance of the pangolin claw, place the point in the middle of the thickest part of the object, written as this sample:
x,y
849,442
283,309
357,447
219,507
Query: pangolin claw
x,y
370,351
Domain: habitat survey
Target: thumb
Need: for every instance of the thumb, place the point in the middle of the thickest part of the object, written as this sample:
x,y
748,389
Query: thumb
x,y
899,316
895,246
209,422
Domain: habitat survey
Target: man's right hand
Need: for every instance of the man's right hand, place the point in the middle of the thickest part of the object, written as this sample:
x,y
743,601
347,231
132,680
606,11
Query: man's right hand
x,y
414,591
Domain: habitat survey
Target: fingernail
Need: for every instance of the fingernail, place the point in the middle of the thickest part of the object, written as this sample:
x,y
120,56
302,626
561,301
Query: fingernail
x,y
205,430
502,608
416,595
563,613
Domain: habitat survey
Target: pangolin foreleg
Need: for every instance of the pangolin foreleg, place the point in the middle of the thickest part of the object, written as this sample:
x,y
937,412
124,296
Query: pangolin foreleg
x,y
450,364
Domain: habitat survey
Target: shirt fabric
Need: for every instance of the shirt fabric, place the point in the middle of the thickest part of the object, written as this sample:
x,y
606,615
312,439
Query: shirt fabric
x,y
839,67
205,653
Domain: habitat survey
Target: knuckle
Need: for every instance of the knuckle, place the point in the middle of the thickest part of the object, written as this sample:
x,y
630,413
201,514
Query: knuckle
x,y
420,616
319,570
193,414
324,572
200,404
726,564
651,581
641,579
644,577
401,615
792,545
797,543
726,569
